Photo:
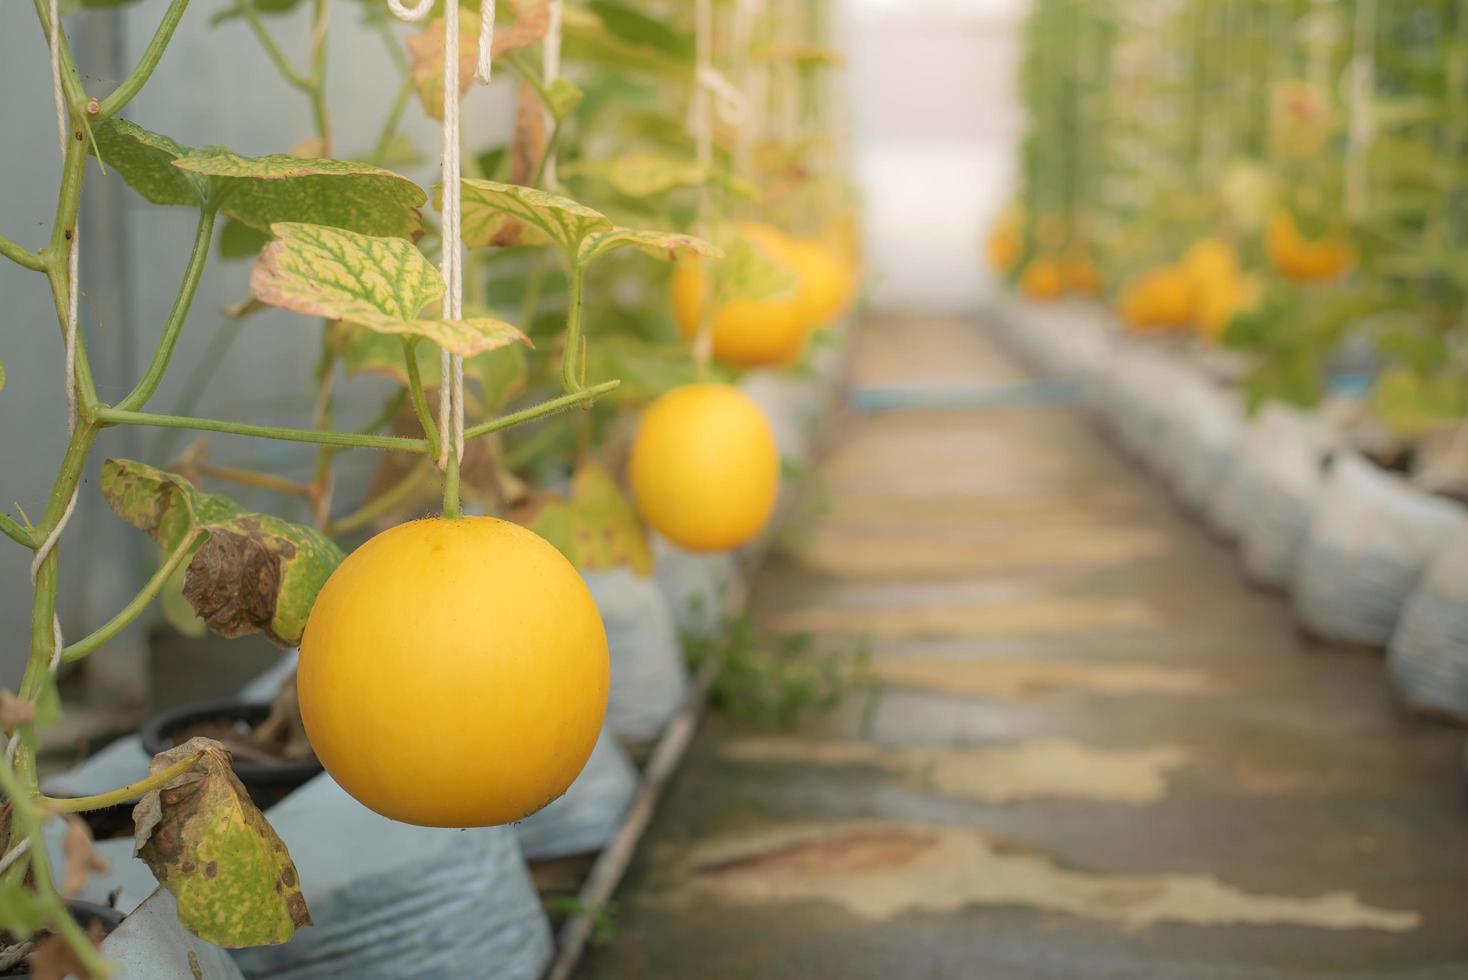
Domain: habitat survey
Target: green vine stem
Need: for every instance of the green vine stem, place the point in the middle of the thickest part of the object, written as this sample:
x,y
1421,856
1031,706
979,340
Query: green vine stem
x,y
583,397
571,359
152,54
84,804
277,57
163,353
114,416
25,813
420,400
21,256
94,641
16,532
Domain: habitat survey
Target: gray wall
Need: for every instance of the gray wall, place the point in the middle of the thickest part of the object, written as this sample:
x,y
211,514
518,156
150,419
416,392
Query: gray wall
x,y
214,86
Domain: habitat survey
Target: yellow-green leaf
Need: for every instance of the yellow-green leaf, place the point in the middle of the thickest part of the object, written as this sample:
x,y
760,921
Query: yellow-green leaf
x,y
598,527
665,245
145,159
562,98
564,221
209,845
379,283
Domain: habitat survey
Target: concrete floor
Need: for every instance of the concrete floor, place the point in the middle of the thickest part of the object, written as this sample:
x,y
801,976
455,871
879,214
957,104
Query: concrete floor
x,y
1095,753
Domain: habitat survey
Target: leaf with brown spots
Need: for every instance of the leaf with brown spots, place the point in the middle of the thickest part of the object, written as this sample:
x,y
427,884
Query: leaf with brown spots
x,y
212,848
254,573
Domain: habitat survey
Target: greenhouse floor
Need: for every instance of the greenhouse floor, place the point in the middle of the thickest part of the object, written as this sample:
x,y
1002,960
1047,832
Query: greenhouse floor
x,y
1094,752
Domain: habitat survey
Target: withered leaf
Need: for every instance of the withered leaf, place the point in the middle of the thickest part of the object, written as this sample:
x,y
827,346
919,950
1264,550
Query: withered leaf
x,y
254,573
54,959
13,711
209,845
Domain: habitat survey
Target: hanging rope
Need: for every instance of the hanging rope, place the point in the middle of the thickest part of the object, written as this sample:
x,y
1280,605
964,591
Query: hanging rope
x,y
451,366
550,70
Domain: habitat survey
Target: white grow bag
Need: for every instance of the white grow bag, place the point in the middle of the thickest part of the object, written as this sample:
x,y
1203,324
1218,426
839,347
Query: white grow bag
x,y
1202,441
1372,537
649,679
1268,495
392,900
1428,655
696,586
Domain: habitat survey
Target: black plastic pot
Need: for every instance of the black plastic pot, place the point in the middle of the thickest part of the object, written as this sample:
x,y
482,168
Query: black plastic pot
x,y
267,782
85,914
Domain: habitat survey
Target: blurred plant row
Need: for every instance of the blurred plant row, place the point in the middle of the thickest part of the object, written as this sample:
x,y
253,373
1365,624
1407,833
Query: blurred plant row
x,y
1283,179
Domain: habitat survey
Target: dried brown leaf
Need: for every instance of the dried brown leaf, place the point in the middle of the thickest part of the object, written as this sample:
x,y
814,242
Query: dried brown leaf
x,y
13,711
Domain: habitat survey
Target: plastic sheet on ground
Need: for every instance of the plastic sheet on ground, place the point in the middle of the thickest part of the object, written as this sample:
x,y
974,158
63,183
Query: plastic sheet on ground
x,y
392,900
1428,655
1269,495
1372,537
649,679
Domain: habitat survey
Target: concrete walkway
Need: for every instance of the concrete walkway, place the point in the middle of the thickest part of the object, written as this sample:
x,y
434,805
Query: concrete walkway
x,y
1095,753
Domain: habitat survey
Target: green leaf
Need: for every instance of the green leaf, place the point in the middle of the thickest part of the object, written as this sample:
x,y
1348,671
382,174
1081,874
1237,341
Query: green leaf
x,y
261,191
238,240
255,573
665,245
145,160
20,915
635,27
209,845
564,221
380,283
598,527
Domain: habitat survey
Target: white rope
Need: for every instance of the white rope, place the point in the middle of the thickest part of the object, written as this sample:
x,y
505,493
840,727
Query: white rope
x,y
550,70
451,366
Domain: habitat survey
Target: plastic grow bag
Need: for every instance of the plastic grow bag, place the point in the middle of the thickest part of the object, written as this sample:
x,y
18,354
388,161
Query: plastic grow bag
x,y
1428,655
1278,459
1203,442
586,817
1372,537
649,680
392,900
152,945
695,585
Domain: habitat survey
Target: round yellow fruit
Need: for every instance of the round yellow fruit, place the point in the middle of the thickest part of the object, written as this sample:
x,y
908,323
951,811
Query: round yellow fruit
x,y
825,283
1301,259
1043,279
1004,248
747,332
453,673
1159,299
1211,262
704,468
